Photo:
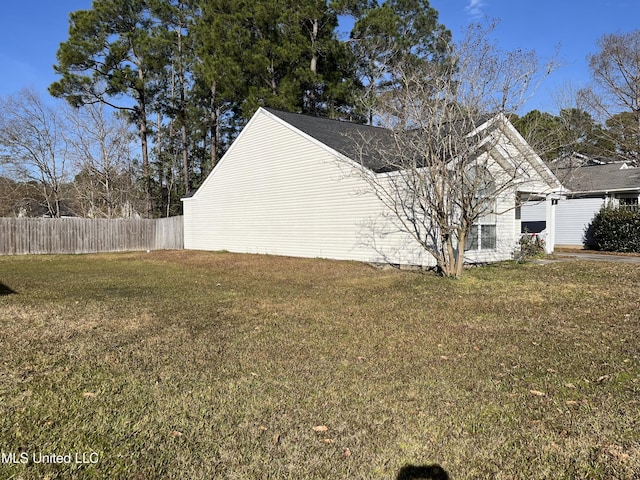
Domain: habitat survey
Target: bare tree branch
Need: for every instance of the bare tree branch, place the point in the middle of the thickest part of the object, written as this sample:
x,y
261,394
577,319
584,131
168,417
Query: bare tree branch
x,y
34,147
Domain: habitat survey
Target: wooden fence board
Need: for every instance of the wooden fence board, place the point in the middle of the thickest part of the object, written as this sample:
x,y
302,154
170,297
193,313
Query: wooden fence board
x,y
88,235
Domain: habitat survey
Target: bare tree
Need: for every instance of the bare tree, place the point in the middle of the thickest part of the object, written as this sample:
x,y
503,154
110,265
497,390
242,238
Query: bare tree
x,y
436,171
15,198
614,96
33,147
100,146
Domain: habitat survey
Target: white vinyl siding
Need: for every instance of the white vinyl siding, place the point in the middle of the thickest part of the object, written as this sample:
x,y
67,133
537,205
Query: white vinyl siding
x,y
572,218
534,211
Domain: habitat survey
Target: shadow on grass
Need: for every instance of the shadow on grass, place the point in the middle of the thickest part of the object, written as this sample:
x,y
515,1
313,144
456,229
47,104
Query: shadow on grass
x,y
4,290
422,472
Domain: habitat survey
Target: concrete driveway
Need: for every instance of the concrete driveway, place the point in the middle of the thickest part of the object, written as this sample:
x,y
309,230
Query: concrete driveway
x,y
596,257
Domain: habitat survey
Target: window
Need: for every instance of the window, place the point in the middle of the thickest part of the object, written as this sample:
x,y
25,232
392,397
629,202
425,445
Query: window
x,y
482,188
628,201
488,237
482,237
483,234
472,239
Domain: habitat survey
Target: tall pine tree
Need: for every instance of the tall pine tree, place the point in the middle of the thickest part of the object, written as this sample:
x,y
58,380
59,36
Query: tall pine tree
x,y
114,50
393,38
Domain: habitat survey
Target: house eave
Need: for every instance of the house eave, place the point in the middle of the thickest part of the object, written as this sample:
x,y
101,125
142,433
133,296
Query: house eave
x,y
604,191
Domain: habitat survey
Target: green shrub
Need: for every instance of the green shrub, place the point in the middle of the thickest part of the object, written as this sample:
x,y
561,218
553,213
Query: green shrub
x,y
614,229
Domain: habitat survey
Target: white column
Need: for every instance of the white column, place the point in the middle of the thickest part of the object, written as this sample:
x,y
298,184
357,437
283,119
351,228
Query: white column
x,y
550,240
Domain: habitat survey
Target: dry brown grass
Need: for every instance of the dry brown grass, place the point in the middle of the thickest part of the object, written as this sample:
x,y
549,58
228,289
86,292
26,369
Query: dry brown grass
x,y
216,365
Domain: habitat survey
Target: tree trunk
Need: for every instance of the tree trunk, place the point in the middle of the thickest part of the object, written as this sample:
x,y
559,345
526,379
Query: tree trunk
x,y
146,170
313,100
450,255
214,127
462,240
183,117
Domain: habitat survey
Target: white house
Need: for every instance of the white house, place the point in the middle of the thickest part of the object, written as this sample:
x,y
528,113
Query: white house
x,y
286,186
589,184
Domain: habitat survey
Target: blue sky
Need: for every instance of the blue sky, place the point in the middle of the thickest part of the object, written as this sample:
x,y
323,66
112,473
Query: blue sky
x,y
543,25
31,30
30,33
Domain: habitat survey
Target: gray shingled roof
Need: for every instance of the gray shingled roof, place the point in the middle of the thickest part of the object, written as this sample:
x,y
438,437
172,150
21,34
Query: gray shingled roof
x,y
609,177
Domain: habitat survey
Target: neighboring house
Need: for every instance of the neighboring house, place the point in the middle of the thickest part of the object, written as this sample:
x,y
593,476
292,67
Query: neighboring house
x,y
290,185
590,184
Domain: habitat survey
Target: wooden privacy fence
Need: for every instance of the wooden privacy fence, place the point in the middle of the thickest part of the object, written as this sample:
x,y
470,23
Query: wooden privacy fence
x,y
88,235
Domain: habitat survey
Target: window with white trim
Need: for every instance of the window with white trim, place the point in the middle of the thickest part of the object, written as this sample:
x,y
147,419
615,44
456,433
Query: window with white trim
x,y
483,234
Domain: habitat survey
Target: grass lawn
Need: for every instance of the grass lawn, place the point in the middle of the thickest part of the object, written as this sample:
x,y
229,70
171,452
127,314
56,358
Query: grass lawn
x,y
197,365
